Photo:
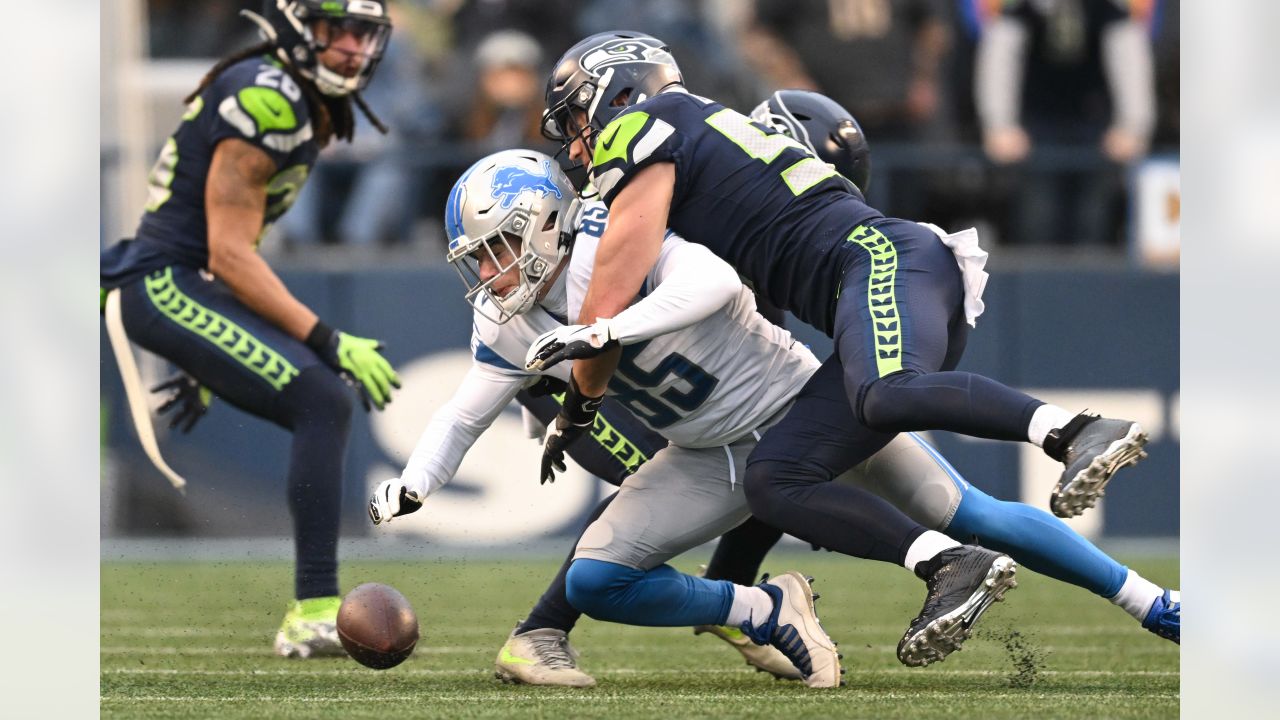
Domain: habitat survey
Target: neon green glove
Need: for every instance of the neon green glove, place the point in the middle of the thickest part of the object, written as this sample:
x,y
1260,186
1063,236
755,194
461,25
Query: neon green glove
x,y
358,359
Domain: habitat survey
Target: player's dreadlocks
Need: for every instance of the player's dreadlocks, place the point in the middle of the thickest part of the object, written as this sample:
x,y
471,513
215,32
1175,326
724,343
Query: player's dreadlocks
x,y
332,116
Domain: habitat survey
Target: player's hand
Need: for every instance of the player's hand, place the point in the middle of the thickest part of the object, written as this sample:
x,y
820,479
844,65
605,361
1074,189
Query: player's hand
x,y
358,358
576,417
570,342
188,403
547,385
392,499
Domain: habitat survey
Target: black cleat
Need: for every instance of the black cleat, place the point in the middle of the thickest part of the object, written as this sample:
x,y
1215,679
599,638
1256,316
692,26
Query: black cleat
x,y
1093,449
963,582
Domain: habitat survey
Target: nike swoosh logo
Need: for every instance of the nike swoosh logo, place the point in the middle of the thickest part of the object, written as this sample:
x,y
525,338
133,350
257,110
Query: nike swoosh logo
x,y
607,144
506,657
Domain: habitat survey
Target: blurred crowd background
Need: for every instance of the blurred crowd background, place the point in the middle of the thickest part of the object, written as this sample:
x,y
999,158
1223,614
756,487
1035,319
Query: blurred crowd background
x,y
1027,118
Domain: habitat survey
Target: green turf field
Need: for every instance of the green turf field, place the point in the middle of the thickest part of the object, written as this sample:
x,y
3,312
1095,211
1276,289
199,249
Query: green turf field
x,y
194,640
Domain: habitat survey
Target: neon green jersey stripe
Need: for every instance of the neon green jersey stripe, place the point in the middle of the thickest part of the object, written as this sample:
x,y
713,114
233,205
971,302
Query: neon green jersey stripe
x,y
881,301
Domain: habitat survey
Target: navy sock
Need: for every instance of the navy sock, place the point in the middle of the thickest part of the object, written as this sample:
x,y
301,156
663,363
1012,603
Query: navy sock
x,y
317,407
661,597
1036,539
956,401
553,609
740,552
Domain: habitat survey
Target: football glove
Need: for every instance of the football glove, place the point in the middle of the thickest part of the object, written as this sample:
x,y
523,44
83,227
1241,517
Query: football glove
x,y
189,402
577,415
358,359
570,342
392,499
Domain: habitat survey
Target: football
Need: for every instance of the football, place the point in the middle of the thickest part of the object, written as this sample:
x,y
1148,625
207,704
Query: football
x,y
377,626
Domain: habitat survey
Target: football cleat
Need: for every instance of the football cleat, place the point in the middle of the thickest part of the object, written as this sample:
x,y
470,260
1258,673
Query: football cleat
x,y
764,658
793,629
1093,448
540,657
963,582
310,629
1165,616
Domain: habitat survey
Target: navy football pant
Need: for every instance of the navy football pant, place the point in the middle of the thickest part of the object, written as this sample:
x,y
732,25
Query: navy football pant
x,y
899,333
610,454
198,325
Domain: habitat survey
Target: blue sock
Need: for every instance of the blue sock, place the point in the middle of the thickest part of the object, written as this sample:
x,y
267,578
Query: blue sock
x,y
661,597
1036,539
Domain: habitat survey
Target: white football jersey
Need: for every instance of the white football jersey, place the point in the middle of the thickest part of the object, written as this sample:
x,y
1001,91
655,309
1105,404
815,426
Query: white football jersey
x,y
711,382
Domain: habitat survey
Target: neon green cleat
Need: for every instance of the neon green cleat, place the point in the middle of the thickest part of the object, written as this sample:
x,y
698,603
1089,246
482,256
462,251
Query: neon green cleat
x,y
310,629
540,657
764,658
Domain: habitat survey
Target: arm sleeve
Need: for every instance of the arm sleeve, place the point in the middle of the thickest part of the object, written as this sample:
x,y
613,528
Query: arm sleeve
x,y
687,285
454,428
1129,67
998,70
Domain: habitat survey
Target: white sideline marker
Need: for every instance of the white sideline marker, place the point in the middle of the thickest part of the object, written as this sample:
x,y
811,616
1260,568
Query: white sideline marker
x,y
133,390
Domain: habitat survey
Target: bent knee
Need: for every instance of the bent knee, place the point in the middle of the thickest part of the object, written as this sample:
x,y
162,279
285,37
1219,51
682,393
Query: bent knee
x,y
882,405
319,396
593,586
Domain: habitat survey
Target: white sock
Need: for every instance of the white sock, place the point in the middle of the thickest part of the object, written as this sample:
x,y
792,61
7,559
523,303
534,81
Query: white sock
x,y
750,604
1136,595
926,547
1046,417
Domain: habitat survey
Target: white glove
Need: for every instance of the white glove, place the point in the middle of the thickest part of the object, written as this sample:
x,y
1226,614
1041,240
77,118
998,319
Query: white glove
x,y
569,342
392,499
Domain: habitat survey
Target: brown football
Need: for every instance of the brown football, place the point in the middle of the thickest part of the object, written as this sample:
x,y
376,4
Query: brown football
x,y
377,626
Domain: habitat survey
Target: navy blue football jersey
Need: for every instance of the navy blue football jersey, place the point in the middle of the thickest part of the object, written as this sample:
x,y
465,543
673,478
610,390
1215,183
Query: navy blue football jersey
x,y
755,197
254,100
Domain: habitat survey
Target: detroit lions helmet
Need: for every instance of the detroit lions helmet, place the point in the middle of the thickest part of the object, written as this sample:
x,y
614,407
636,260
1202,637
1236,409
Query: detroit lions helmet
x,y
291,25
515,209
602,76
824,126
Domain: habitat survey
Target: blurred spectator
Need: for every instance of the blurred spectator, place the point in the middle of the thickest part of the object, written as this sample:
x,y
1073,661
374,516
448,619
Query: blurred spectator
x,y
506,111
1066,71
186,29
550,22
880,59
692,29
368,189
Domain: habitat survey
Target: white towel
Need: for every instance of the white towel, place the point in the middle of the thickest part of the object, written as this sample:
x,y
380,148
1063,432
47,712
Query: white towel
x,y
971,259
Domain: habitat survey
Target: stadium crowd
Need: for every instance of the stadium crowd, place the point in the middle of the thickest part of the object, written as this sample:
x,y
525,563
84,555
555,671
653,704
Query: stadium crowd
x,y
1021,117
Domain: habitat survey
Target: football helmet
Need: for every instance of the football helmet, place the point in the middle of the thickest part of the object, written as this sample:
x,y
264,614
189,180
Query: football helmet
x,y
824,126
515,209
293,26
602,76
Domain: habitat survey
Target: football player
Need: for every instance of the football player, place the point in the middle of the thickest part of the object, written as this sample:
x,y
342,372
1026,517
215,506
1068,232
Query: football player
x,y
943,500
887,290
702,368
193,289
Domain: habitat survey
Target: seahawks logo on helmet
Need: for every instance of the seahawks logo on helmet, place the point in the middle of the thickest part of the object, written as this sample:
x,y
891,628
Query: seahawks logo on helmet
x,y
510,181
622,51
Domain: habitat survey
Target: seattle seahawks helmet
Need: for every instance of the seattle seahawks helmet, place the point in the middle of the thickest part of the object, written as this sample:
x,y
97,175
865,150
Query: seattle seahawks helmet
x,y
515,209
292,25
602,76
824,126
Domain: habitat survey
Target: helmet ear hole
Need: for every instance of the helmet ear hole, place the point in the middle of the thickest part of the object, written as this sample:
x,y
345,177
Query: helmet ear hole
x,y
551,220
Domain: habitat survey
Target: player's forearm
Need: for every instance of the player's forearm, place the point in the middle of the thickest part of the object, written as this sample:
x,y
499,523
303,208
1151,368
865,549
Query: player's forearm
x,y
454,429
692,284
592,374
256,285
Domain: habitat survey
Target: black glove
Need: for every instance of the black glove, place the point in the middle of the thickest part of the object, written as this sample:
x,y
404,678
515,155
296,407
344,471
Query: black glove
x,y
189,402
577,415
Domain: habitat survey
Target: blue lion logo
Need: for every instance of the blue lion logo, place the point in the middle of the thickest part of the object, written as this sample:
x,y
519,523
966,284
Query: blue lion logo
x,y
509,182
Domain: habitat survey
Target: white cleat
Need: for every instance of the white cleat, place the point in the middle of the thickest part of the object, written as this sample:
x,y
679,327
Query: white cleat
x,y
540,657
793,628
764,658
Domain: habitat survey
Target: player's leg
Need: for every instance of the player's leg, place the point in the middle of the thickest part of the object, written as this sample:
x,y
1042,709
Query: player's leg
x,y
898,320
788,486
915,477
198,325
678,500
